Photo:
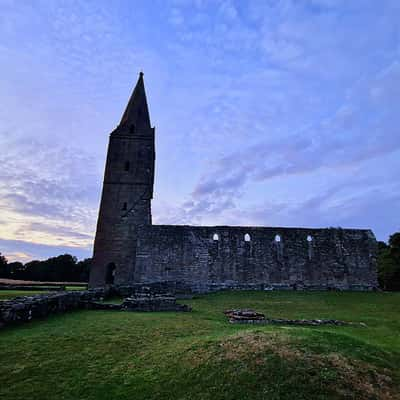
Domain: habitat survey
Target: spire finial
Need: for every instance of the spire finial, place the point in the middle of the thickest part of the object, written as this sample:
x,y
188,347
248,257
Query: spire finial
x,y
136,113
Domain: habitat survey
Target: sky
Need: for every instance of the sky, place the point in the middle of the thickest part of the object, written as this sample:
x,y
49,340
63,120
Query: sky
x,y
267,113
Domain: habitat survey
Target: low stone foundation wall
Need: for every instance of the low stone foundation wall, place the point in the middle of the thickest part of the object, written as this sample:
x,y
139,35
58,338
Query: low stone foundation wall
x,y
157,297
182,289
149,302
27,308
301,322
178,289
247,316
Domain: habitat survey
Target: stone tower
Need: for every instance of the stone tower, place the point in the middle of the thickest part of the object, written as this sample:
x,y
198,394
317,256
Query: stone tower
x,y
127,193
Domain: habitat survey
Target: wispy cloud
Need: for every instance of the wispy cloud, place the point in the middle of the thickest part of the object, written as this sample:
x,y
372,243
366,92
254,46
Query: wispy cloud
x,y
362,128
48,194
266,112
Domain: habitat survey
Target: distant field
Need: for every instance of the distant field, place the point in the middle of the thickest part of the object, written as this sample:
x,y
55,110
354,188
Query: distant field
x,y
27,288
9,294
198,355
30,283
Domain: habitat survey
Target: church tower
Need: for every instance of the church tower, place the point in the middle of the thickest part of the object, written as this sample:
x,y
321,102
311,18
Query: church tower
x,y
127,193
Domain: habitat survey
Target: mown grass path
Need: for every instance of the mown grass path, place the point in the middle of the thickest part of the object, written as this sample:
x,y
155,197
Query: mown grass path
x,y
198,355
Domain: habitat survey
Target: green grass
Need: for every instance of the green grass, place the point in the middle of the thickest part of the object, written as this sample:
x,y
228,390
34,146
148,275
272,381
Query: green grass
x,y
9,294
198,355
75,287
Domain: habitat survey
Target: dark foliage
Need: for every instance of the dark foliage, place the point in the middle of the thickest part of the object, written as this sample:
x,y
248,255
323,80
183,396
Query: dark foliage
x,y
3,265
3,261
389,263
63,268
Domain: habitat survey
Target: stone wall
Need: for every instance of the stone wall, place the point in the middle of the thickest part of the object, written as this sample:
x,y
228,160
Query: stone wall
x,y
154,297
27,308
212,258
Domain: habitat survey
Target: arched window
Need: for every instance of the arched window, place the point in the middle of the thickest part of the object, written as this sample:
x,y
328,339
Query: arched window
x,y
125,206
215,237
277,238
309,238
110,273
126,166
247,237
132,129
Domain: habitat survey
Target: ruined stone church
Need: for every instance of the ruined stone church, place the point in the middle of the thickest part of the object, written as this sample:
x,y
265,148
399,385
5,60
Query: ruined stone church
x,y
129,249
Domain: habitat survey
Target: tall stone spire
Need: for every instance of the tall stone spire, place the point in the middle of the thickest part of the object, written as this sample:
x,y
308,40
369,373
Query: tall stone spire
x,y
136,115
127,193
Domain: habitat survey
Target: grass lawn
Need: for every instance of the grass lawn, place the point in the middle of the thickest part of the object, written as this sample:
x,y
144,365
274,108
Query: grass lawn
x,y
198,355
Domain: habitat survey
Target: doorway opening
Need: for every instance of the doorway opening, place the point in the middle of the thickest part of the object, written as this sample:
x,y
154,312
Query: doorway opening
x,y
110,273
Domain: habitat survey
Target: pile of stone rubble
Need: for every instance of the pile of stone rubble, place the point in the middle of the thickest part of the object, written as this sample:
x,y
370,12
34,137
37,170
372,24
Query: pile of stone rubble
x,y
145,301
244,315
247,316
153,302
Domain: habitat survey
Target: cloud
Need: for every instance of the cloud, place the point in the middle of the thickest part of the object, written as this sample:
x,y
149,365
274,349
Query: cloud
x,y
48,195
346,138
363,128
18,256
176,17
228,10
25,250
265,111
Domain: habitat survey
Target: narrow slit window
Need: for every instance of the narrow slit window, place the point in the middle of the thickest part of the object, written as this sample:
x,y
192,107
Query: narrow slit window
x,y
125,206
247,237
127,166
215,237
277,238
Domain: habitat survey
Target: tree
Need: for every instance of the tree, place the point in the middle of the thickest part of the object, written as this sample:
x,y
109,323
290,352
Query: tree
x,y
3,266
16,270
63,268
84,269
54,269
394,242
389,263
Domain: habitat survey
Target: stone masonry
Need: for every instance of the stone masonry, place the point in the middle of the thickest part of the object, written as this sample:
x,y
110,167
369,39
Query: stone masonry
x,y
129,250
28,308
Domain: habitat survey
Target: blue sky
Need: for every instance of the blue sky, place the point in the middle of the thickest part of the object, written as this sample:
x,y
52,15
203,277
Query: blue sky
x,y
276,113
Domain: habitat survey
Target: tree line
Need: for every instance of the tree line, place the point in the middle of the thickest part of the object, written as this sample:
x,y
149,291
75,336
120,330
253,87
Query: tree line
x,y
389,263
66,268
63,268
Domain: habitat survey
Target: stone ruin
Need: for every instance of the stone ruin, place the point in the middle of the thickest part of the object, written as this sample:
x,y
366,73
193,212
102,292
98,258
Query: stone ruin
x,y
27,308
129,249
153,302
247,316
244,315
143,300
